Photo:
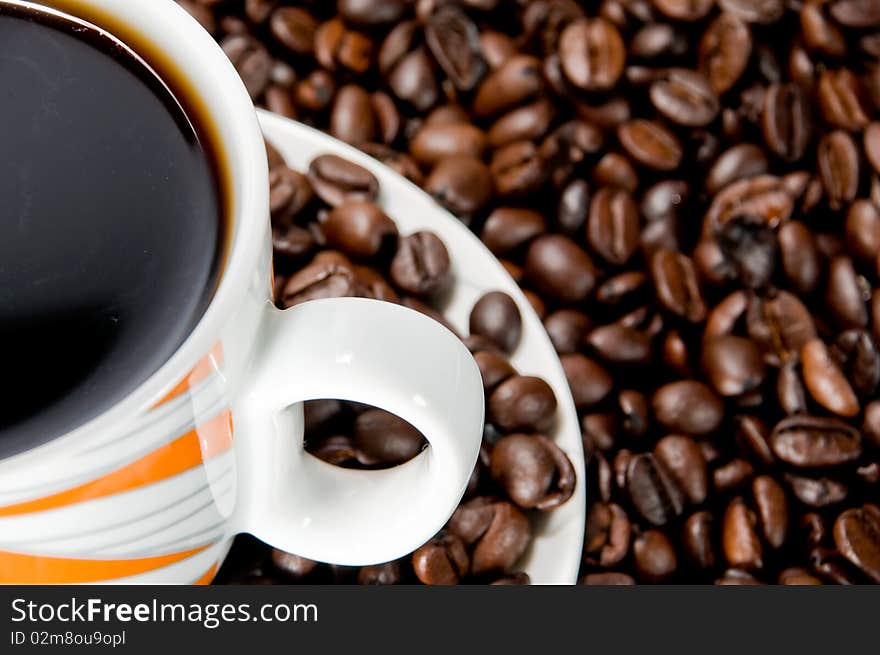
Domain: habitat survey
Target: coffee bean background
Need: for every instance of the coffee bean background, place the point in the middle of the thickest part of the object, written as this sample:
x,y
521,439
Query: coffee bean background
x,y
689,195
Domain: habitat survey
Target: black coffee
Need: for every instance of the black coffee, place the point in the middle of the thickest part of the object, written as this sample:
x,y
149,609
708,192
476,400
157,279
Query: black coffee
x,y
111,225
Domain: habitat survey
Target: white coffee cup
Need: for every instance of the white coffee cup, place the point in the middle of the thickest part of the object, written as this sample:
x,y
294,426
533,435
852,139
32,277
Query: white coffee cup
x,y
154,489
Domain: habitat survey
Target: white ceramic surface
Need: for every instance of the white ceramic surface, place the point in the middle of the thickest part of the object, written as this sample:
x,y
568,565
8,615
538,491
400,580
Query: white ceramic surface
x,y
555,555
211,445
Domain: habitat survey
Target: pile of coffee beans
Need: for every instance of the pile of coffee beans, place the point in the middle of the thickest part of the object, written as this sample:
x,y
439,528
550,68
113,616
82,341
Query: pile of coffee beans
x,y
689,195
331,240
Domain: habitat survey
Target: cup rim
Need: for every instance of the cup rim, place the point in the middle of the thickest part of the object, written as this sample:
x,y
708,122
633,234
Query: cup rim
x,y
163,26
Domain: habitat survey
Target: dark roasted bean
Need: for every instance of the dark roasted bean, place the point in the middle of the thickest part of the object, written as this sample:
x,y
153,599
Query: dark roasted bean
x,y
817,492
441,561
825,381
651,144
857,535
359,229
740,541
421,265
607,534
461,183
697,540
558,267
654,556
652,491
589,382
682,459
687,406
522,403
724,51
732,475
592,54
810,441
532,470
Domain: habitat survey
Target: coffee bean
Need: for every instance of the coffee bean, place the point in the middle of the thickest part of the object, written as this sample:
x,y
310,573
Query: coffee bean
x,y
737,577
652,491
380,574
335,179
621,288
517,169
592,54
786,121
724,317
733,365
566,329
871,424
599,430
838,96
336,46
494,368
441,561
574,204
508,86
589,382
825,381
654,556
838,162
650,144
607,534
496,317
741,545
687,406
845,295
754,11
772,509
857,536
526,123
503,542
799,257
675,282
812,441
620,344
820,33
319,280
522,403
352,118
386,439
697,540
724,51
557,267
251,60
613,227
686,10
412,80
294,29
461,183
681,458
315,92
738,162
871,145
435,142
781,326
732,476
532,470
856,13
454,41
790,390
817,492
359,229
421,265
685,97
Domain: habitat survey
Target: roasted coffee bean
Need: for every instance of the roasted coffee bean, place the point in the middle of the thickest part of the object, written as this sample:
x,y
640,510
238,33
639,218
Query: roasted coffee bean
x,y
589,382
740,541
685,97
687,406
574,204
781,326
685,10
799,256
454,41
838,96
607,535
335,179
494,368
508,86
599,430
754,11
863,230
620,344
733,365
732,475
654,556
838,162
421,265
845,294
384,438
441,561
615,290
522,403
790,390
697,540
724,51
252,61
319,280
725,316
615,170
380,574
857,355
786,121
811,441
503,542
871,145
496,317
517,169
336,46
461,183
508,228
738,162
532,470
772,509
607,578
525,123
857,536
292,565
798,576
681,457
825,381
871,424
294,29
352,118
634,413
359,229
817,492
559,268
592,54
567,329
650,144
316,91
613,227
434,142
675,283
652,491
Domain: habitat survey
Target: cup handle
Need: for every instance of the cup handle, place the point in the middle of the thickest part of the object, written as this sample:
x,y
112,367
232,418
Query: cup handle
x,y
375,353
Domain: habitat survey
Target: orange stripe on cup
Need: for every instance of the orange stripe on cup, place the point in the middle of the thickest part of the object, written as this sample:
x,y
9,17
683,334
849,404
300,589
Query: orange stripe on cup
x,y
209,439
209,364
17,568
208,577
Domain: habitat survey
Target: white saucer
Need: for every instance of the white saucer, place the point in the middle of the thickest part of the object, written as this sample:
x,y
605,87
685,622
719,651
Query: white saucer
x,y
554,556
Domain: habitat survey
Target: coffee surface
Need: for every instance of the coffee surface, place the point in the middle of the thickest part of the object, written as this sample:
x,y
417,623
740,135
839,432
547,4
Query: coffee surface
x,y
111,225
